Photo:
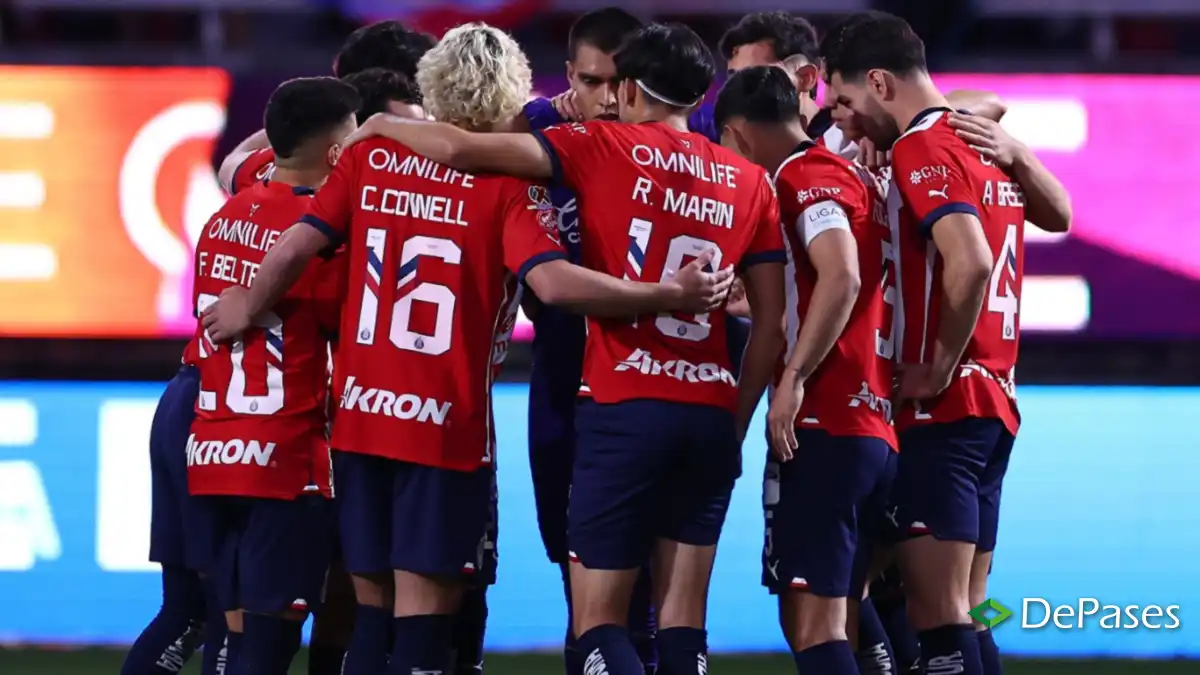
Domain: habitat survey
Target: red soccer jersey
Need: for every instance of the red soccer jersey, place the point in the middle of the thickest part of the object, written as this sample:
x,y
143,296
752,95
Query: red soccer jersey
x,y
435,260
260,416
849,394
935,173
650,200
257,167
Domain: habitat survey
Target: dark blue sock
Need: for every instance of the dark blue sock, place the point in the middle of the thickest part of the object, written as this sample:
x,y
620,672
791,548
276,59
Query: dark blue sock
x,y
607,649
827,658
269,643
370,642
682,651
989,653
215,658
175,633
643,623
233,651
470,626
421,644
325,658
874,655
950,649
572,657
906,651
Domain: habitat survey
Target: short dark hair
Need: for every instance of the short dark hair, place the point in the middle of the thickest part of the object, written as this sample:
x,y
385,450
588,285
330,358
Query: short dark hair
x,y
377,86
304,108
670,60
871,40
383,44
789,35
605,29
763,94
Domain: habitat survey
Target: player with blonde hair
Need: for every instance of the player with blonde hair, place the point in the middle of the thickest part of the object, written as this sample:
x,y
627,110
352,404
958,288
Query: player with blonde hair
x,y
477,78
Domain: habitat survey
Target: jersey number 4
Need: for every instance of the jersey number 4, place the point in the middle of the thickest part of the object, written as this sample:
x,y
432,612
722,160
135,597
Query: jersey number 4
x,y
1002,298
680,250
407,292
270,328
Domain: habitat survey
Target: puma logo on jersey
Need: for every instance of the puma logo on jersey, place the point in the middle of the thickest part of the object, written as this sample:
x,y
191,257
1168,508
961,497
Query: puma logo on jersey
x,y
641,361
235,451
390,404
940,193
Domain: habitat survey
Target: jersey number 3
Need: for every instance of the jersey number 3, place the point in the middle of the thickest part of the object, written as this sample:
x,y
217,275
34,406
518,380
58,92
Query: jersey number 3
x,y
408,290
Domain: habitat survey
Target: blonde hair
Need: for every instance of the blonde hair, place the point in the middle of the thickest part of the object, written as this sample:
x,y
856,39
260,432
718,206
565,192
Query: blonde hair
x,y
476,77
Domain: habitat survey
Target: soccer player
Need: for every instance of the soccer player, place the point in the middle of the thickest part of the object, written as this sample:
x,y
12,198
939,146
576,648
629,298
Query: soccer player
x,y
958,220
383,44
789,42
658,444
558,339
830,418
258,454
436,257
189,614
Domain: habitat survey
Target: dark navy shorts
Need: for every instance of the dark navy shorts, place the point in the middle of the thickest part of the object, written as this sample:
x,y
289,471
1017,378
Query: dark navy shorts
x,y
949,479
403,516
823,511
270,555
550,463
179,528
647,470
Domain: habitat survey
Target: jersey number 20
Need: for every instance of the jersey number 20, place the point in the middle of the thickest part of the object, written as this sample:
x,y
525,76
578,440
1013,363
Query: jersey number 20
x,y
236,398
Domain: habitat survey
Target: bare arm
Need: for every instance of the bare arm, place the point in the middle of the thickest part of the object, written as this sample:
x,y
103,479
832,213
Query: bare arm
x,y
834,254
229,166
1047,202
563,284
513,154
765,293
966,264
982,103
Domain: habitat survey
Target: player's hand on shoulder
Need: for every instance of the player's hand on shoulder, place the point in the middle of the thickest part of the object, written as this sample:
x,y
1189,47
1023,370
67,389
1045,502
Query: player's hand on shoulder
x,y
701,291
738,305
227,318
919,382
781,416
988,138
566,105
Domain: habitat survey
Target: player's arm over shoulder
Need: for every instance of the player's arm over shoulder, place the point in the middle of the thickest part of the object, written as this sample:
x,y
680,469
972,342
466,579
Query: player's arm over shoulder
x,y
982,103
516,154
227,174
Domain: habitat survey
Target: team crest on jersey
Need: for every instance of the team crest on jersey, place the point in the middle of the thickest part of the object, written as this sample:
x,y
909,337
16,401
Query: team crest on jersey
x,y
547,215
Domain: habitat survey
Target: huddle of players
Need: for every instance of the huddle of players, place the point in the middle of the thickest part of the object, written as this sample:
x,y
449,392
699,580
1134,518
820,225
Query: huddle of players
x,y
647,458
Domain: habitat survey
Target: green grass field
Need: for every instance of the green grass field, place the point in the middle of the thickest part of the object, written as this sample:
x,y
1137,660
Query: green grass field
x,y
108,662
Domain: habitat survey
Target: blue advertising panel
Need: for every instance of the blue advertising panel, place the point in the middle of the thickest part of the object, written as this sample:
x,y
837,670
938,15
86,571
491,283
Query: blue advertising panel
x,y
1098,510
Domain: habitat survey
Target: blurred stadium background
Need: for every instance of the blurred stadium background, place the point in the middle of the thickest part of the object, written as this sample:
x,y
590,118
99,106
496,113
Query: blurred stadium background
x,y
111,115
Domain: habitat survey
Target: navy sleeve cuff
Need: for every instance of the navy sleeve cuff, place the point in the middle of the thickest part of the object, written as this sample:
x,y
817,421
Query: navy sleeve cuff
x,y
926,225
776,256
555,164
538,260
540,113
323,227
